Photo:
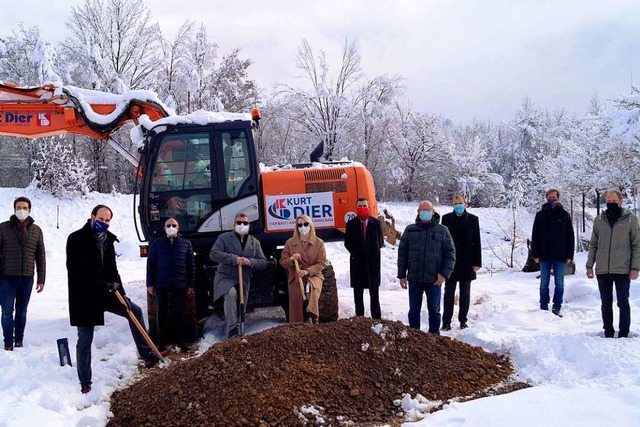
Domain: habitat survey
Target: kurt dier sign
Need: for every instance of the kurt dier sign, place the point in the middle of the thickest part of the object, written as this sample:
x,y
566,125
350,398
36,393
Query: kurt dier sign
x,y
282,211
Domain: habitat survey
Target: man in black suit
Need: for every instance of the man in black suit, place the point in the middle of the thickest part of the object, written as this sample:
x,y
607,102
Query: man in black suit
x,y
363,240
465,230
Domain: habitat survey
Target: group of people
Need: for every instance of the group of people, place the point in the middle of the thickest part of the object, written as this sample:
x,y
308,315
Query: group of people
x,y
430,255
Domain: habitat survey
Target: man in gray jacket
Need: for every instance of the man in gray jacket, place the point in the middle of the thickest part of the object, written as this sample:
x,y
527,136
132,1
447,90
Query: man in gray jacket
x,y
230,250
21,251
615,250
426,258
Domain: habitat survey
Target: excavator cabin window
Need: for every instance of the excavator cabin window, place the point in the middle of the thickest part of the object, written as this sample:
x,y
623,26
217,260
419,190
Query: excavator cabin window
x,y
184,163
236,161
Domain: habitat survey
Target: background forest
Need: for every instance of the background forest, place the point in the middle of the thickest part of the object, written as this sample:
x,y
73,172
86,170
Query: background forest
x,y
115,46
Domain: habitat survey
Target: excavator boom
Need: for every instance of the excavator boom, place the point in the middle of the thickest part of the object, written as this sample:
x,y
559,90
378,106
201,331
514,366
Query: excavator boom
x,y
48,110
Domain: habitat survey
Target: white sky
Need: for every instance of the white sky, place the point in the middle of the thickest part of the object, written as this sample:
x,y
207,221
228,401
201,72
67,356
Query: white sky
x,y
462,59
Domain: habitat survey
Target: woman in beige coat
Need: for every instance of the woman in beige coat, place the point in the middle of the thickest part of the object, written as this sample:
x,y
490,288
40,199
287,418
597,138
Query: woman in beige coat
x,y
309,250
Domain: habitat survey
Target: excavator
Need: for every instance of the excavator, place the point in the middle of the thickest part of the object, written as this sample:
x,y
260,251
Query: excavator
x,y
202,169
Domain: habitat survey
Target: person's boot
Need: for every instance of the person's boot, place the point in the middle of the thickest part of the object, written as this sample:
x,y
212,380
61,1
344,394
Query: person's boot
x,y
464,325
85,389
556,311
446,327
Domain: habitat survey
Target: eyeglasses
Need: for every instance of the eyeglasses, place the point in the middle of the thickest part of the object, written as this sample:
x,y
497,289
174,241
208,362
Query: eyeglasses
x,y
306,224
242,222
171,225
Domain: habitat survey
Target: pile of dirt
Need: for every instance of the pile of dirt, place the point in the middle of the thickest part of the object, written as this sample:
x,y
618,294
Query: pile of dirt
x,y
347,372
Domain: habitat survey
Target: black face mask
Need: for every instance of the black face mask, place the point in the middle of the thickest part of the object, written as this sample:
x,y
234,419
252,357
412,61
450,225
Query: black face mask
x,y
614,208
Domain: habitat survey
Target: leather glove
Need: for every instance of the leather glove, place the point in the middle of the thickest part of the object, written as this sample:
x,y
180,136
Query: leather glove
x,y
112,286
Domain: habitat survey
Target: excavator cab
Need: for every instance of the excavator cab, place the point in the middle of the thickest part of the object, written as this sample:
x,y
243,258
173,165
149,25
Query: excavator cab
x,y
202,176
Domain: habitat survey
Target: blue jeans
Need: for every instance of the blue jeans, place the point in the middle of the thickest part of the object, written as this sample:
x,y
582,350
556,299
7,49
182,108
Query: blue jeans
x,y
605,285
15,291
434,292
558,279
85,338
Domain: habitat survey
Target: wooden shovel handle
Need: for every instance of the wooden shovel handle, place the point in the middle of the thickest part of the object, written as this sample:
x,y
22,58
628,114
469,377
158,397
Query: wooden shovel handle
x,y
240,284
304,296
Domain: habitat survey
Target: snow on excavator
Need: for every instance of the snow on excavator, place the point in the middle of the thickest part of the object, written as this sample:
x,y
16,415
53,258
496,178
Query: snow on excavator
x,y
201,169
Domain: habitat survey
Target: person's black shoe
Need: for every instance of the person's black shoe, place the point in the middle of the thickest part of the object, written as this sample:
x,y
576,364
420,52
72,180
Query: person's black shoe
x,y
184,348
18,344
464,325
623,334
151,362
233,333
8,348
85,390
446,327
609,333
556,311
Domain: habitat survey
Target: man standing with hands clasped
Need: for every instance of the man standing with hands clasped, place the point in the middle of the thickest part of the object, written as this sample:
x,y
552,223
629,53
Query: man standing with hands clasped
x,y
465,231
552,243
615,250
363,239
426,257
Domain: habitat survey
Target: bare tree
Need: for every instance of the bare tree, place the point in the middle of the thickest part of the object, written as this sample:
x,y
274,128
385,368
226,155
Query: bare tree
x,y
326,108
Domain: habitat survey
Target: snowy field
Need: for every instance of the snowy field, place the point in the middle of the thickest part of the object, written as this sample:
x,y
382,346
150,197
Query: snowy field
x,y
578,377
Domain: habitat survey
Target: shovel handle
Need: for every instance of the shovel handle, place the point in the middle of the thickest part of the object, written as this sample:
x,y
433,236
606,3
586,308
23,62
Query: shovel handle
x,y
304,296
240,284
139,326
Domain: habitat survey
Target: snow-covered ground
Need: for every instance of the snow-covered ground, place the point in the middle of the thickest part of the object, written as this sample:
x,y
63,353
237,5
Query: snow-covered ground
x,y
578,377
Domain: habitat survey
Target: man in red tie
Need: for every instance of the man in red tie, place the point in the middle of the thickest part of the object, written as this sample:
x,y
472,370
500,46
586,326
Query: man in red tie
x,y
363,240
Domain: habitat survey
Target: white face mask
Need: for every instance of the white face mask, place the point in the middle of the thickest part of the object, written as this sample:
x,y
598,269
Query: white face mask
x,y
304,230
242,229
171,231
22,214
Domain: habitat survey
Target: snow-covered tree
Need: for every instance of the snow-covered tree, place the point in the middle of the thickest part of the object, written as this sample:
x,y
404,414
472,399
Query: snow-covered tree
x,y
59,170
325,109
114,45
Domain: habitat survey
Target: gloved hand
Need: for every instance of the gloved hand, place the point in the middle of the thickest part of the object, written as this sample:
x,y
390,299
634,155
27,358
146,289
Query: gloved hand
x,y
127,302
112,286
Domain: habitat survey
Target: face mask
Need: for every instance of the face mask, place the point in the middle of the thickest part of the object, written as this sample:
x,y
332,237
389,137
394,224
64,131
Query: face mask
x,y
425,215
552,202
22,214
304,230
458,208
171,231
100,226
614,208
363,212
242,229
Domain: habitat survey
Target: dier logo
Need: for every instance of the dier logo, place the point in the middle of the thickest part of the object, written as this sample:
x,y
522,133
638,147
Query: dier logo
x,y
292,207
43,119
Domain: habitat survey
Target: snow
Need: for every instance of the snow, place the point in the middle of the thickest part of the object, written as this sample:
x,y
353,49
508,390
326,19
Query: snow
x,y
579,378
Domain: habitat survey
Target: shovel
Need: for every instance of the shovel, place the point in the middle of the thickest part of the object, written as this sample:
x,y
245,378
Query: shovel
x,y
139,326
240,285
305,301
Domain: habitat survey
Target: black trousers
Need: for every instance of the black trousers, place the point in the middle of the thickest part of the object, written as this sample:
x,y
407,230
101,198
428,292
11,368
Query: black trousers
x,y
170,307
358,298
449,296
622,283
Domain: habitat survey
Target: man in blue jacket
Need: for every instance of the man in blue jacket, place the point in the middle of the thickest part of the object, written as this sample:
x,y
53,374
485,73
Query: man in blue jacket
x,y
171,271
552,243
426,257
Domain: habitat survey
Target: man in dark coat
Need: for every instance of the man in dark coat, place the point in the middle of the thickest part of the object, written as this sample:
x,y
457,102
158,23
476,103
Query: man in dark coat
x,y
93,278
465,231
552,243
231,250
171,270
364,239
21,251
426,257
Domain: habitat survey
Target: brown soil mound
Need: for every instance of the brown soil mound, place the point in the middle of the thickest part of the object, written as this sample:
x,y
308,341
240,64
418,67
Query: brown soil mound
x,y
351,371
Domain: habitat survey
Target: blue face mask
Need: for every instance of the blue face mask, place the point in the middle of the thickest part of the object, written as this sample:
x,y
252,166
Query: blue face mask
x,y
458,208
425,215
552,202
100,226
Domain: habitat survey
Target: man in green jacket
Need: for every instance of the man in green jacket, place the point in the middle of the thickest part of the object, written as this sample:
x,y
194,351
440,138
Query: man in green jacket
x,y
21,252
615,250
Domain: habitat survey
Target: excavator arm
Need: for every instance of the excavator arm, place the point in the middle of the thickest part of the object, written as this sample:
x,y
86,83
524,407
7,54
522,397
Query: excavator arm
x,y
48,110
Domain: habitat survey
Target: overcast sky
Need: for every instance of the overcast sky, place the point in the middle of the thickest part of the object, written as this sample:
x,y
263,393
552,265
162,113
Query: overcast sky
x,y
462,59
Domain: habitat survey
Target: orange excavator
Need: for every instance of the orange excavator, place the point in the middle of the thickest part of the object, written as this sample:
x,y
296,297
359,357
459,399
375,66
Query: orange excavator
x,y
201,169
